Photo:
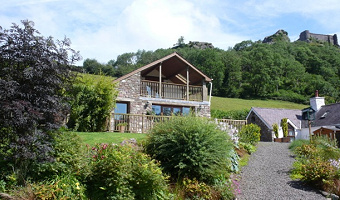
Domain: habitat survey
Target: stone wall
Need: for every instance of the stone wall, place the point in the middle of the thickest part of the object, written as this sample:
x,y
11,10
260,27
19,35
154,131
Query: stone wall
x,y
129,90
203,110
306,36
266,134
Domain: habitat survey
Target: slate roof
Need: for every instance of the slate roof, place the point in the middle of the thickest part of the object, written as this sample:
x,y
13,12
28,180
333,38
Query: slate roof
x,y
328,115
274,115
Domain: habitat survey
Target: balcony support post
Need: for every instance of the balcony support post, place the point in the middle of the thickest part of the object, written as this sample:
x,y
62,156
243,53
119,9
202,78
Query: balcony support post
x,y
188,96
160,80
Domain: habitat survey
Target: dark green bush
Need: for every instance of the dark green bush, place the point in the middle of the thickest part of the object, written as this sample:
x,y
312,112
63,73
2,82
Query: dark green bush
x,y
121,172
69,157
232,114
250,133
190,147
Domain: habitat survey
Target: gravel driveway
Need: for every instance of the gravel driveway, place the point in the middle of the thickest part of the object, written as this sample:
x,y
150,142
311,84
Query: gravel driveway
x,y
267,175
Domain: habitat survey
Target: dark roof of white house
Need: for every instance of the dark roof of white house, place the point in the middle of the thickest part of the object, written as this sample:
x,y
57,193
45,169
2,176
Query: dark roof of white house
x,y
271,116
328,115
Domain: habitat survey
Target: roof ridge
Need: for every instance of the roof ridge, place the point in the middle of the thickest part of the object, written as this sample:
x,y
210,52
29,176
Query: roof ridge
x,y
277,108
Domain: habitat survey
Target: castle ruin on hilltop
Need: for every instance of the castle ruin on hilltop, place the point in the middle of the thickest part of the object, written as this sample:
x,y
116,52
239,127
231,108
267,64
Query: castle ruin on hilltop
x,y
307,36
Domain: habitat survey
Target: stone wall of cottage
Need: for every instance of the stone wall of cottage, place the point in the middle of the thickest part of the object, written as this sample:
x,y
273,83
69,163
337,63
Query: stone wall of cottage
x,y
203,110
266,134
129,88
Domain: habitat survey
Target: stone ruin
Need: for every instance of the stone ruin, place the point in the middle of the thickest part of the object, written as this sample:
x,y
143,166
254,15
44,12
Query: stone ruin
x,y
308,37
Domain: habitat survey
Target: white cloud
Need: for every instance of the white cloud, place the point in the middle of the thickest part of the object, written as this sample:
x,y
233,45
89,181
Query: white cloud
x,y
103,29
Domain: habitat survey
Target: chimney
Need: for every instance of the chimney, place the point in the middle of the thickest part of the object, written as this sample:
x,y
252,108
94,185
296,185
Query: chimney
x,y
316,102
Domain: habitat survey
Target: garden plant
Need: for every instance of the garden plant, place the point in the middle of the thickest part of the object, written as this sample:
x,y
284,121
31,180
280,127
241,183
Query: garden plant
x,y
318,163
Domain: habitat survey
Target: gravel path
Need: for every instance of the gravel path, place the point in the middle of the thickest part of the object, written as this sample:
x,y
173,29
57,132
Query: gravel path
x,y
267,175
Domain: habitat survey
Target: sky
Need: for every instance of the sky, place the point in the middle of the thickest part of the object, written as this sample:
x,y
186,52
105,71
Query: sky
x,y
104,29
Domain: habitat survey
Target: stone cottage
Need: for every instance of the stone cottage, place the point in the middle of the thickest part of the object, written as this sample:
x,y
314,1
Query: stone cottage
x,y
266,117
170,85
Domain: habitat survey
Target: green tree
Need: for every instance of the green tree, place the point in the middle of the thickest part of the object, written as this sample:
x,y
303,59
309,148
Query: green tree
x,y
92,98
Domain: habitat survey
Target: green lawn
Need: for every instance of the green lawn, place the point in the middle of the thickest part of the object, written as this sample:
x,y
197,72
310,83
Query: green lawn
x,y
227,104
93,138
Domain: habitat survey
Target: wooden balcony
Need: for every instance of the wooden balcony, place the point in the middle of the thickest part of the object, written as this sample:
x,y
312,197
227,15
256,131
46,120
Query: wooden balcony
x,y
171,91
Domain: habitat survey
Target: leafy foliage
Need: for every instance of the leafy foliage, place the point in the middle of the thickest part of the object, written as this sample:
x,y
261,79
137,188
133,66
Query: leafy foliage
x,y
121,172
250,133
62,187
190,147
34,71
68,157
92,98
232,114
318,163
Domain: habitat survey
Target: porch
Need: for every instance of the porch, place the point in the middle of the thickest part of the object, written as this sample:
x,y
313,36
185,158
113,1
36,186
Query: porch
x,y
137,123
163,90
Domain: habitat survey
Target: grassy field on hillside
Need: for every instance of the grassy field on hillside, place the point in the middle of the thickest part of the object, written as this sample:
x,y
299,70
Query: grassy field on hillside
x,y
228,104
92,138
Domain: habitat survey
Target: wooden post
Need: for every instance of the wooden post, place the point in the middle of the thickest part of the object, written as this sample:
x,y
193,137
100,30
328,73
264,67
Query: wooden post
x,y
160,81
188,83
310,129
143,123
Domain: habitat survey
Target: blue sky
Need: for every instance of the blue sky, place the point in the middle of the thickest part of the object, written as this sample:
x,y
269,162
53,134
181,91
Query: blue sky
x,y
104,29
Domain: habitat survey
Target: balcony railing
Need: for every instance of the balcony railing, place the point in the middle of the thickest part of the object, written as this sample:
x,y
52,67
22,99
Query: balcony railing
x,y
171,91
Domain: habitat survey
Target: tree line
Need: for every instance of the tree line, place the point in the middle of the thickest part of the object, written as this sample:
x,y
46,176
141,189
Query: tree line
x,y
282,70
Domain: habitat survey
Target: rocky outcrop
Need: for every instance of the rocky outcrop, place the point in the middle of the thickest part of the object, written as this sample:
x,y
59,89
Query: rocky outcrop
x,y
200,45
280,35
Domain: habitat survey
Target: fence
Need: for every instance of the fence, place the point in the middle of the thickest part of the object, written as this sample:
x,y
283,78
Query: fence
x,y
136,123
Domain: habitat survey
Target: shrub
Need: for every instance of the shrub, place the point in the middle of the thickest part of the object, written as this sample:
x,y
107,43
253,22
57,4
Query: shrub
x,y
284,125
276,130
316,171
190,147
250,133
121,172
196,190
69,157
232,114
307,151
64,187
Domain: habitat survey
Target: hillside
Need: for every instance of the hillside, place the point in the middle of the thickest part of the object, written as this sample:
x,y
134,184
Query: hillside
x,y
277,69
231,104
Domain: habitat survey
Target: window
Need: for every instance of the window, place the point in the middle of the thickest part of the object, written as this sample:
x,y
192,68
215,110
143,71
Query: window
x,y
121,108
156,109
168,110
